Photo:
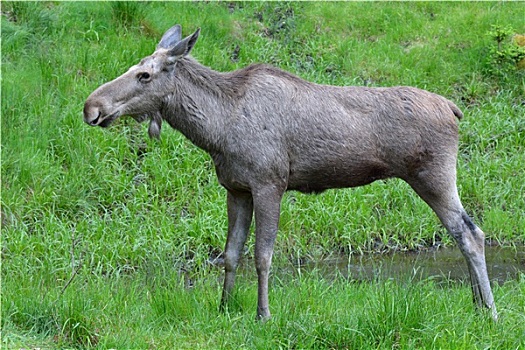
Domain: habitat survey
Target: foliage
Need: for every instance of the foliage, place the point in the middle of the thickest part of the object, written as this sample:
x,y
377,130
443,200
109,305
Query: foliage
x,y
504,51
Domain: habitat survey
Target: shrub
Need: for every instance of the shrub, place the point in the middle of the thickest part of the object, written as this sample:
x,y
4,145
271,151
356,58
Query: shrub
x,y
506,55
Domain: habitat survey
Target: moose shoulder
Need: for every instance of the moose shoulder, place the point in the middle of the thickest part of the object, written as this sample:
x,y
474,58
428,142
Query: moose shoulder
x,y
269,131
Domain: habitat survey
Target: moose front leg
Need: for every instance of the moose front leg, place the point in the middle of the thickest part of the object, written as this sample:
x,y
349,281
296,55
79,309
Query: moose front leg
x,y
240,212
267,203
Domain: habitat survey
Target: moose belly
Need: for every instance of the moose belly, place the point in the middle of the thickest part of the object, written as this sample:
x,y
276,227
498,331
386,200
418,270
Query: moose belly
x,y
318,179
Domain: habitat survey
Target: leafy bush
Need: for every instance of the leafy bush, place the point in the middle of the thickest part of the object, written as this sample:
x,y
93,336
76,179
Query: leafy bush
x,y
505,52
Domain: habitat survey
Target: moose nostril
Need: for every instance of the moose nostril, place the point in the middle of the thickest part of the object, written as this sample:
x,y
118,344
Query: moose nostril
x,y
95,121
91,113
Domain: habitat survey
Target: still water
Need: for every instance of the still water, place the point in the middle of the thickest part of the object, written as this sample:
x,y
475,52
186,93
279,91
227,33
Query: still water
x,y
503,263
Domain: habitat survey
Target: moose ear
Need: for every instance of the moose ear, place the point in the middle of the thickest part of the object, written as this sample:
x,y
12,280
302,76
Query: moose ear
x,y
170,38
183,47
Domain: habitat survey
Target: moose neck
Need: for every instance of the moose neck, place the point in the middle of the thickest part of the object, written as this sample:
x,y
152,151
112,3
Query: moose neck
x,y
199,107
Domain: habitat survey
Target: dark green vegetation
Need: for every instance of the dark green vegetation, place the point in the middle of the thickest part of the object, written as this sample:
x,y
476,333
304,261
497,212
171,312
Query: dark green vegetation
x,y
106,234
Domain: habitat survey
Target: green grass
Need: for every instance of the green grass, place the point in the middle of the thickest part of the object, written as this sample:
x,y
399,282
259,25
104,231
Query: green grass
x,y
163,311
121,216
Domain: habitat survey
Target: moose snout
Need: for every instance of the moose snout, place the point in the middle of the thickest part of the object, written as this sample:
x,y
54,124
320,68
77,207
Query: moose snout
x,y
92,113
95,114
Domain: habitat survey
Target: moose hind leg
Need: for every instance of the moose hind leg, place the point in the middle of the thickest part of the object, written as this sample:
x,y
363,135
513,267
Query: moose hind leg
x,y
443,198
471,242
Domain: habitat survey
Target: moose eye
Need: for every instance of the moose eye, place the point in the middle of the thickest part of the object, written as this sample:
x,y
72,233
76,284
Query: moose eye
x,y
144,77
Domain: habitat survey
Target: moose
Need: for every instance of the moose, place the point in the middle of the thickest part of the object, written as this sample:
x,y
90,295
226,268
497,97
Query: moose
x,y
269,131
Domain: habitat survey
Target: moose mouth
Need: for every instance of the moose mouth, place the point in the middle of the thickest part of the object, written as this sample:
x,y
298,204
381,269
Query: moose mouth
x,y
104,122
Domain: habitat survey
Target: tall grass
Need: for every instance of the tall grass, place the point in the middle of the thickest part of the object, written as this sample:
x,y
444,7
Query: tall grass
x,y
165,312
104,233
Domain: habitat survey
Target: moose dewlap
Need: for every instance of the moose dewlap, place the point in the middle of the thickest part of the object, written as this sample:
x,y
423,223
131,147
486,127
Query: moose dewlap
x,y
269,131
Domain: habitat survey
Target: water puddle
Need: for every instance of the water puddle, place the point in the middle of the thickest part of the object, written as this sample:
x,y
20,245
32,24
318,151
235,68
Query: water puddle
x,y
442,264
